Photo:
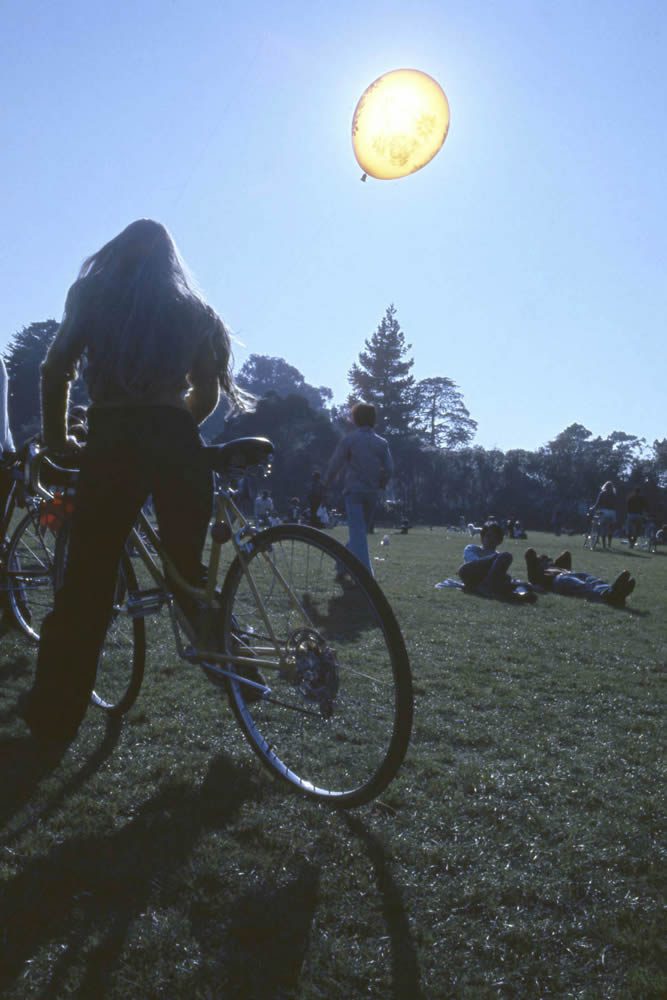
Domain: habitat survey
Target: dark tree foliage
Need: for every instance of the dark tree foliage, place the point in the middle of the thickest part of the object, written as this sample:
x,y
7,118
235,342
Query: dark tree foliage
x,y
23,358
261,375
382,376
440,478
304,440
576,464
440,415
660,455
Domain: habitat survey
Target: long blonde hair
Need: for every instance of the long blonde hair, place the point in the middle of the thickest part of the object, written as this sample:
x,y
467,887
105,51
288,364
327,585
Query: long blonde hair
x,y
139,313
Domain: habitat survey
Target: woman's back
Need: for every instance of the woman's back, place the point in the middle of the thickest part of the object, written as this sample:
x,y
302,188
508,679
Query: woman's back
x,y
135,316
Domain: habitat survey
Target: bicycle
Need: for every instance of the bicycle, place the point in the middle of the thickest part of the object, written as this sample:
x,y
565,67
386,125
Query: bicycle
x,y
27,553
647,540
316,672
594,533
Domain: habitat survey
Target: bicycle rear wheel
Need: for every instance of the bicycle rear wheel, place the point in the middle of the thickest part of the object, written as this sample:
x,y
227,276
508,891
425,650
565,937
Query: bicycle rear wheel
x,y
335,715
120,668
30,574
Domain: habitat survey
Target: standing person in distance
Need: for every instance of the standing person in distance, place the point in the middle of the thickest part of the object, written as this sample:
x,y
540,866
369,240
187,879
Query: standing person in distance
x,y
636,507
157,357
605,505
364,461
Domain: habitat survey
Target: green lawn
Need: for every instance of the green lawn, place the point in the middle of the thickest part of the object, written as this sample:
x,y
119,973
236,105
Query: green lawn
x,y
520,852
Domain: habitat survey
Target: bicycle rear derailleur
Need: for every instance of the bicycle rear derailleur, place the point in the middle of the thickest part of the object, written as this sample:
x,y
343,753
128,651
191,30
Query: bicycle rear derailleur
x,y
313,668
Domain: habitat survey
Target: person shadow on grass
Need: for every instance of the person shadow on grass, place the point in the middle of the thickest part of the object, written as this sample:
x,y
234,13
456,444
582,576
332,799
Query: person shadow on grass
x,y
85,893
24,763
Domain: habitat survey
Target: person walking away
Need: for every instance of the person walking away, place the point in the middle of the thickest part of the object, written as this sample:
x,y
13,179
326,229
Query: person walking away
x,y
364,461
636,507
158,357
605,505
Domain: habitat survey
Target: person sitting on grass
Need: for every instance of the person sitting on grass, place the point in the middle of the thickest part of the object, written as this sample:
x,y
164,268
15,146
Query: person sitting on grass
x,y
557,575
485,570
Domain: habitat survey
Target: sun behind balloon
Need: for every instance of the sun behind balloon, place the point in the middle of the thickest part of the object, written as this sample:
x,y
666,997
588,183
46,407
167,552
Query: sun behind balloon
x,y
399,124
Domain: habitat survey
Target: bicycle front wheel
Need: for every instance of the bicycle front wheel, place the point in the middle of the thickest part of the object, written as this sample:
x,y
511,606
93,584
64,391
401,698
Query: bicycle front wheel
x,y
120,667
30,574
307,619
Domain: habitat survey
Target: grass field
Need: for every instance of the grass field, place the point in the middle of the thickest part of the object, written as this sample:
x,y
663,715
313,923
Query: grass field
x,y
519,853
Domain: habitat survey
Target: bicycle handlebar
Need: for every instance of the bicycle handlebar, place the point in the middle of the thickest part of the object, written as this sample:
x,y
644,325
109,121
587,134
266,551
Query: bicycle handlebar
x,y
37,458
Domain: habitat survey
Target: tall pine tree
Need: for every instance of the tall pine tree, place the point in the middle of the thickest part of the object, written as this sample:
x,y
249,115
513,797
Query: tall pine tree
x,y
382,376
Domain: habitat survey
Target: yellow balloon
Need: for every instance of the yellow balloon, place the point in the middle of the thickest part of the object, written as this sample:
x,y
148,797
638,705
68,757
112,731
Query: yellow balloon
x,y
399,124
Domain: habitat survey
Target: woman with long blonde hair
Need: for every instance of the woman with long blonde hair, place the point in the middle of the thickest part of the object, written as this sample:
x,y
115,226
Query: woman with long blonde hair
x,y
156,358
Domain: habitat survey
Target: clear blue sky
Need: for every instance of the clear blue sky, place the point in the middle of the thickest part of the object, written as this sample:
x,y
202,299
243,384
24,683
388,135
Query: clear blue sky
x,y
528,261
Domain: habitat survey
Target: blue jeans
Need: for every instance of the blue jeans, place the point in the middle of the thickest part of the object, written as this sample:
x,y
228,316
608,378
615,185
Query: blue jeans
x,y
580,585
360,509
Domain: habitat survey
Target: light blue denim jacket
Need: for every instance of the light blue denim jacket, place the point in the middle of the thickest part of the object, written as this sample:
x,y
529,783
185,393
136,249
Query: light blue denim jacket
x,y
364,459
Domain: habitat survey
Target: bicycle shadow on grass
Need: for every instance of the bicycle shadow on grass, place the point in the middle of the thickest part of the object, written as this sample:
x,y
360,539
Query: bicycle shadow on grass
x,y
83,896
265,945
405,973
16,668
262,950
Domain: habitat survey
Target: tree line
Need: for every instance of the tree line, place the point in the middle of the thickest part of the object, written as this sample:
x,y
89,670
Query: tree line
x,y
441,476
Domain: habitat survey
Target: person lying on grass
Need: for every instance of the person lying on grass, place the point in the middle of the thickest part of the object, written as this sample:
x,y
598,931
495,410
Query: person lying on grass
x,y
485,570
557,575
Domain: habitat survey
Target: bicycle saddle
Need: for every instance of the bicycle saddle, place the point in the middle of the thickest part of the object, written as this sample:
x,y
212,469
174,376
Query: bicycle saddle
x,y
239,454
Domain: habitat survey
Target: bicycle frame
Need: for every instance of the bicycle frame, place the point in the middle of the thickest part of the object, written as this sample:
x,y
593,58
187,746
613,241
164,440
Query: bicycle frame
x,y
32,505
162,570
233,527
594,532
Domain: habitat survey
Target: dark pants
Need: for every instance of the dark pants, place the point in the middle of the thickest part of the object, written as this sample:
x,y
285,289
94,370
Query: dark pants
x,y
130,453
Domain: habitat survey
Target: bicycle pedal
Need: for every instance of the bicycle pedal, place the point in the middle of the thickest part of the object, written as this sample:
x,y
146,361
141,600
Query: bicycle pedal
x,y
141,603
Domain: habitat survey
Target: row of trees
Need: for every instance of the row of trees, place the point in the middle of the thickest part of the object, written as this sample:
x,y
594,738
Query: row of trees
x,y
440,475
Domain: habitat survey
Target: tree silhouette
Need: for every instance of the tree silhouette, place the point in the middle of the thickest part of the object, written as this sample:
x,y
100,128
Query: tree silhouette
x,y
23,357
262,374
441,417
382,376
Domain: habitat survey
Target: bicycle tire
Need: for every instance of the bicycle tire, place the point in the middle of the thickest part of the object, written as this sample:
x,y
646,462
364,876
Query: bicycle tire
x,y
335,717
120,667
30,574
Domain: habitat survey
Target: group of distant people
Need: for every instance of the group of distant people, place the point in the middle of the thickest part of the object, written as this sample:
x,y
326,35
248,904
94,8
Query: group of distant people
x,y
514,528
637,516
487,570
